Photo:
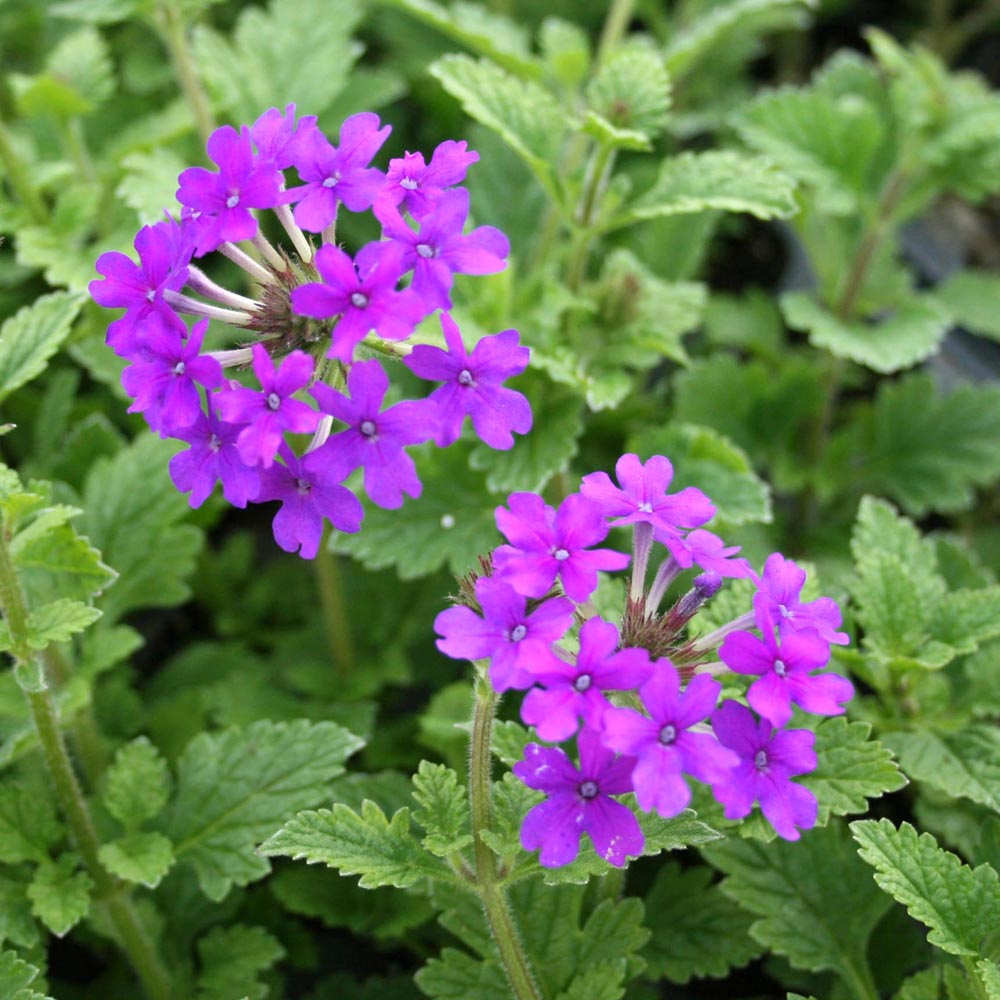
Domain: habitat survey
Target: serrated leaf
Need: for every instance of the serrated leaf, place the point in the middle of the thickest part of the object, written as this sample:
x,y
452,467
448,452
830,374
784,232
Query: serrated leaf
x,y
722,179
59,621
232,959
960,905
449,525
973,298
696,930
925,450
266,65
963,764
989,976
82,60
32,335
368,844
28,824
17,925
443,809
544,452
631,89
16,977
137,784
150,182
138,857
60,894
814,903
852,768
523,113
909,335
235,788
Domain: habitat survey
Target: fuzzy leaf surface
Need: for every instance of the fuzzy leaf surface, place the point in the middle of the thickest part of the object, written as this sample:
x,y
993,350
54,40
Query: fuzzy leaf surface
x,y
28,824
60,894
232,959
59,621
443,809
137,784
16,977
138,857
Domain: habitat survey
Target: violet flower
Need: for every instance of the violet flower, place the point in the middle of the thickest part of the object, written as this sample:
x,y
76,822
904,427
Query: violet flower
x,y
780,591
579,801
276,134
418,185
769,759
473,385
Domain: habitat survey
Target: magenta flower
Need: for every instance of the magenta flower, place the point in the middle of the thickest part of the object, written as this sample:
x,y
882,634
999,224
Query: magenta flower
x,y
546,544
515,642
579,801
164,379
711,553
275,135
662,742
362,293
574,691
473,385
309,492
375,438
780,590
418,185
335,175
221,202
769,759
643,498
785,669
212,457
439,250
271,411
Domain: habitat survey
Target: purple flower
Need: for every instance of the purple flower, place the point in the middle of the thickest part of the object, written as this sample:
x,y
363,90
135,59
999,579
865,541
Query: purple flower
x,y
222,201
309,492
711,553
769,759
164,379
779,592
642,498
362,293
275,135
164,251
271,411
579,801
785,670
438,251
663,743
546,544
375,438
573,691
337,175
473,385
213,456
418,185
514,641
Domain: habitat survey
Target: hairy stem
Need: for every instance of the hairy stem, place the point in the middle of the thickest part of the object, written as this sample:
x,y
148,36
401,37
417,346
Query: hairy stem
x,y
499,916
336,621
173,32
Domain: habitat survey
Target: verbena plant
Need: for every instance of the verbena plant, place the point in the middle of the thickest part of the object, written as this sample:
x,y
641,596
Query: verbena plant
x,y
512,714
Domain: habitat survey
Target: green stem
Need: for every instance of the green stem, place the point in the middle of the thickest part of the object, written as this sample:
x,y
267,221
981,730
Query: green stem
x,y
132,935
597,175
336,621
87,741
495,904
978,988
615,24
20,182
173,32
72,132
859,977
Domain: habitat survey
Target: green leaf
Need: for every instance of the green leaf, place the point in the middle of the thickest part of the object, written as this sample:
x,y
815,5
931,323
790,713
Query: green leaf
x,y
266,65
150,182
60,894
909,335
444,809
236,787
813,900
852,768
973,297
722,179
137,785
32,335
960,905
28,824
59,621
963,764
631,89
17,925
82,60
696,930
138,857
545,451
368,844
989,975
16,977
565,48
232,959
523,113
926,451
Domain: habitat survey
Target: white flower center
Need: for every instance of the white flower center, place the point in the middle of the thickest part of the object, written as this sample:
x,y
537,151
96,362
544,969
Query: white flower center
x,y
368,428
583,682
426,251
303,486
560,554
760,760
214,442
668,734
331,181
465,377
273,401
779,668
517,633
359,300
179,368
646,508
232,201
588,789
408,184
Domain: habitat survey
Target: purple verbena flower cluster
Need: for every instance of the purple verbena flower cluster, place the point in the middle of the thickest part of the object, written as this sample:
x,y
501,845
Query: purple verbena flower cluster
x,y
311,312
641,698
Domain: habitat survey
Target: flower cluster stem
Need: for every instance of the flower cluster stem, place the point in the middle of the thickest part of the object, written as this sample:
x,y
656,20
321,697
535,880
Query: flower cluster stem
x,y
499,916
173,32
336,621
131,933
